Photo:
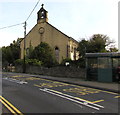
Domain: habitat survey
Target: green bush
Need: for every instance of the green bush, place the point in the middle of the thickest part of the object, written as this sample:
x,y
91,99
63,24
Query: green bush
x,y
44,53
66,60
34,62
75,63
28,62
19,62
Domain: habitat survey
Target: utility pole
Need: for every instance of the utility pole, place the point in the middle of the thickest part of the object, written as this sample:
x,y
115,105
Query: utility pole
x,y
24,65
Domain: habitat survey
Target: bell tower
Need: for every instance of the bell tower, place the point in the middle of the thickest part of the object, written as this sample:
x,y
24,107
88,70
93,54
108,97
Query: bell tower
x,y
42,15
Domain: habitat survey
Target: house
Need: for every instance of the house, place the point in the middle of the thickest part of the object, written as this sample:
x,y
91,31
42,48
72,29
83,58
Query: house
x,y
62,45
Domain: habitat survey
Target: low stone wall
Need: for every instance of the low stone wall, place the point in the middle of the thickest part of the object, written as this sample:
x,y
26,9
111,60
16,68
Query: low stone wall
x,y
60,71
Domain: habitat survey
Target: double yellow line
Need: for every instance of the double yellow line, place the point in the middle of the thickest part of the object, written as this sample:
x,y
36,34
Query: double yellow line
x,y
9,106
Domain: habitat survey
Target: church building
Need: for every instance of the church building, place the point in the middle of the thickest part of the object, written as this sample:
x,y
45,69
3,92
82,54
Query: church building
x,y
62,45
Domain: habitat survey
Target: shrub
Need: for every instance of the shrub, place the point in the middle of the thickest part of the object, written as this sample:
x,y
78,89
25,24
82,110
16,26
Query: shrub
x,y
66,60
19,62
28,62
44,53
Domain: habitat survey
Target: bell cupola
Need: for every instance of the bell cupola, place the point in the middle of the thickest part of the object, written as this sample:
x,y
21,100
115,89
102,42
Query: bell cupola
x,y
42,15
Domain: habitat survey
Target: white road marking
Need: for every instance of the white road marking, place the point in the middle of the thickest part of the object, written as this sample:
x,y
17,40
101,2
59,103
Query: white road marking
x,y
15,80
68,98
23,82
85,101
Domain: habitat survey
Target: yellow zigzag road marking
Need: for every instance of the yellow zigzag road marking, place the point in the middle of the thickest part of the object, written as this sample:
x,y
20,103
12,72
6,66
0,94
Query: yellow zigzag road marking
x,y
97,101
117,97
74,97
10,105
109,92
80,98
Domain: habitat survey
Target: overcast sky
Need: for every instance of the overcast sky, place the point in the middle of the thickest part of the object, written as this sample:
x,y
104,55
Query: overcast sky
x,y
76,18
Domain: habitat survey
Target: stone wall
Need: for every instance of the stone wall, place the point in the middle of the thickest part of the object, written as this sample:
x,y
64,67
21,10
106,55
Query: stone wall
x,y
60,71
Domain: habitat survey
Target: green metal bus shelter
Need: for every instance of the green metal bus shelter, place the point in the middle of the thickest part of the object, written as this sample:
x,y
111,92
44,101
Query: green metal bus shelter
x,y
102,67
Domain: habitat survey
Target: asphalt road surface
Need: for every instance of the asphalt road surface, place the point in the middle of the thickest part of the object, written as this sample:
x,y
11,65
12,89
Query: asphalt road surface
x,y
22,93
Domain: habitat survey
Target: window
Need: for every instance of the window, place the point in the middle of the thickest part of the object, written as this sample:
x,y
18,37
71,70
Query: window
x,y
57,53
27,52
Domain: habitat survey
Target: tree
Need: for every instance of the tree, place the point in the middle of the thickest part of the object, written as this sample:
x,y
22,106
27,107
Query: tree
x,y
98,43
83,48
114,49
43,53
11,53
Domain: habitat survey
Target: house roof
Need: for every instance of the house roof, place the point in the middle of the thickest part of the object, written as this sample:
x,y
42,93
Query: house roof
x,y
62,32
57,30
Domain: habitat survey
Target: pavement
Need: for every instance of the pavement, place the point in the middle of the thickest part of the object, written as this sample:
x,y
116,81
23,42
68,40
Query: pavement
x,y
114,87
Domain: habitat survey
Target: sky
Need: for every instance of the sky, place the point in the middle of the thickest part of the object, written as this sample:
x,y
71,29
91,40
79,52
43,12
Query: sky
x,y
76,18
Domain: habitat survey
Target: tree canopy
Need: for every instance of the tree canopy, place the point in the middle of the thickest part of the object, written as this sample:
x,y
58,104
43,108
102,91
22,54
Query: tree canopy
x,y
43,53
98,43
11,53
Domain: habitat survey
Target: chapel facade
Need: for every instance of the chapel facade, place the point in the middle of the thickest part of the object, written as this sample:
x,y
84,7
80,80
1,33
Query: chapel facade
x,y
62,45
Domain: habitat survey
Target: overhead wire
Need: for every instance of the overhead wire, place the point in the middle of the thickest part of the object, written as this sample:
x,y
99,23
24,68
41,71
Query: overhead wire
x,y
23,22
32,10
11,26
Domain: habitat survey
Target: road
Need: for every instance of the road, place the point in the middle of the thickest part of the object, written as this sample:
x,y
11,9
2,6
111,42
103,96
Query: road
x,y
30,94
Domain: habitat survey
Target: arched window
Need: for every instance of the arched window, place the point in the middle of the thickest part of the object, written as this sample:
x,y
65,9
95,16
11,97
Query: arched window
x,y
27,52
57,53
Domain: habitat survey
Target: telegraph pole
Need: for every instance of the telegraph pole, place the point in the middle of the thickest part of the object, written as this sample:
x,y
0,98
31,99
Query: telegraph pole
x,y
24,52
24,65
